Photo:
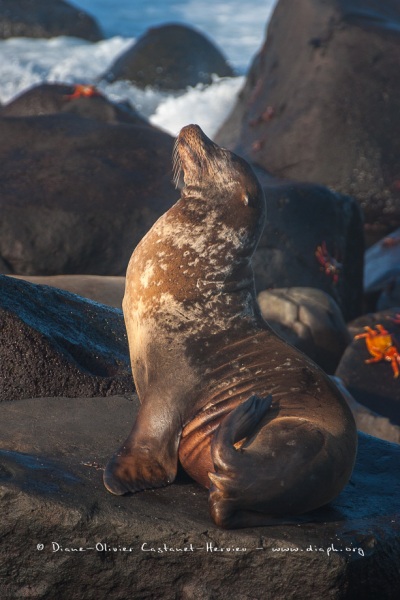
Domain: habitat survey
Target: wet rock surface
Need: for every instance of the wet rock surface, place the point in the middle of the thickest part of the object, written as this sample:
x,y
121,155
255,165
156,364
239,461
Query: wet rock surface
x,y
323,108
46,19
58,344
79,194
170,57
308,319
51,456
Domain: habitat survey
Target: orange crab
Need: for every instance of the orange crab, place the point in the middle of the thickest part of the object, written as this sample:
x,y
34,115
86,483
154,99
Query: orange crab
x,y
83,91
381,346
330,265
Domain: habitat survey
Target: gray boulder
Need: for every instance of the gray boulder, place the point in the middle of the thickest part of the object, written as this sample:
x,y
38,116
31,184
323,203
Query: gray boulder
x,y
321,102
46,19
382,263
369,421
374,385
104,289
78,194
390,296
308,319
382,273
83,100
170,57
55,343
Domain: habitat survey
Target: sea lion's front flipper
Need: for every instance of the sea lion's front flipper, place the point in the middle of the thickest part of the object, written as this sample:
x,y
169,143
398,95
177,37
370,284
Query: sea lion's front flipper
x,y
148,458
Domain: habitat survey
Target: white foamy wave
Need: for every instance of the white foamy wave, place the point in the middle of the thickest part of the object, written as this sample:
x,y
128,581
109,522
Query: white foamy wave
x,y
207,106
27,62
236,27
145,101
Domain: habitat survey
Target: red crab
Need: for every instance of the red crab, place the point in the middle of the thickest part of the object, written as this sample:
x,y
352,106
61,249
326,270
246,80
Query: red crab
x,y
381,346
331,266
83,91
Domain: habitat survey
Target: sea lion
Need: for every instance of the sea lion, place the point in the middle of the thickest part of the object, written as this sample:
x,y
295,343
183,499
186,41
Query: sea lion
x,y
247,415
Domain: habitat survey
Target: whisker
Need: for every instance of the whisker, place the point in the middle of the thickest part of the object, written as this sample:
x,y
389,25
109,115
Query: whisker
x,y
176,165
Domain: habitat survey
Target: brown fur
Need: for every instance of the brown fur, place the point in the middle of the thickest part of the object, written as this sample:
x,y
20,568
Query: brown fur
x,y
249,417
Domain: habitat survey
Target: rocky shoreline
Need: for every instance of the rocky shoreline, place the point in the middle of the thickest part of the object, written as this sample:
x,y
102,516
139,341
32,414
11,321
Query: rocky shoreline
x,y
82,180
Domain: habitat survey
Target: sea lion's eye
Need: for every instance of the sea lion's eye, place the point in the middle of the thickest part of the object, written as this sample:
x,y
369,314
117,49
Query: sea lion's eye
x,y
246,200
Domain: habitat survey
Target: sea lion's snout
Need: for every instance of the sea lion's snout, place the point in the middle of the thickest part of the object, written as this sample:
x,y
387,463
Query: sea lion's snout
x,y
191,153
193,134
192,138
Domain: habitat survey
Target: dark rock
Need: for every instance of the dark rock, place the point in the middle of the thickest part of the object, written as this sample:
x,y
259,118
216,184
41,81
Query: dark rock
x,y
77,194
107,290
57,344
83,100
369,421
46,19
373,385
324,108
308,319
382,263
382,274
300,217
170,57
390,296
370,320
51,491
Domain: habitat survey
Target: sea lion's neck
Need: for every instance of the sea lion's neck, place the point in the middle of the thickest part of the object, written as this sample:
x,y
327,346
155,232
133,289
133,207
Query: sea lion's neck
x,y
193,192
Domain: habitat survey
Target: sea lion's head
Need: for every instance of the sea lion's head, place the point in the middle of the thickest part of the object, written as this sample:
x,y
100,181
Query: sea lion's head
x,y
223,180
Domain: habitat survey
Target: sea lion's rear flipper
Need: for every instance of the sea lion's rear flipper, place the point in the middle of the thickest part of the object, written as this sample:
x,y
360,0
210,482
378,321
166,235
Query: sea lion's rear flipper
x,y
148,458
267,468
241,423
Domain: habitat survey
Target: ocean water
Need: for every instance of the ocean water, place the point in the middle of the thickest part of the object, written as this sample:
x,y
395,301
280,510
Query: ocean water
x,y
236,27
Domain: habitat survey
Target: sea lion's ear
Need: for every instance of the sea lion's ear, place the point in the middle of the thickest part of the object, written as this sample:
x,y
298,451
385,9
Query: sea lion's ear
x,y
245,199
